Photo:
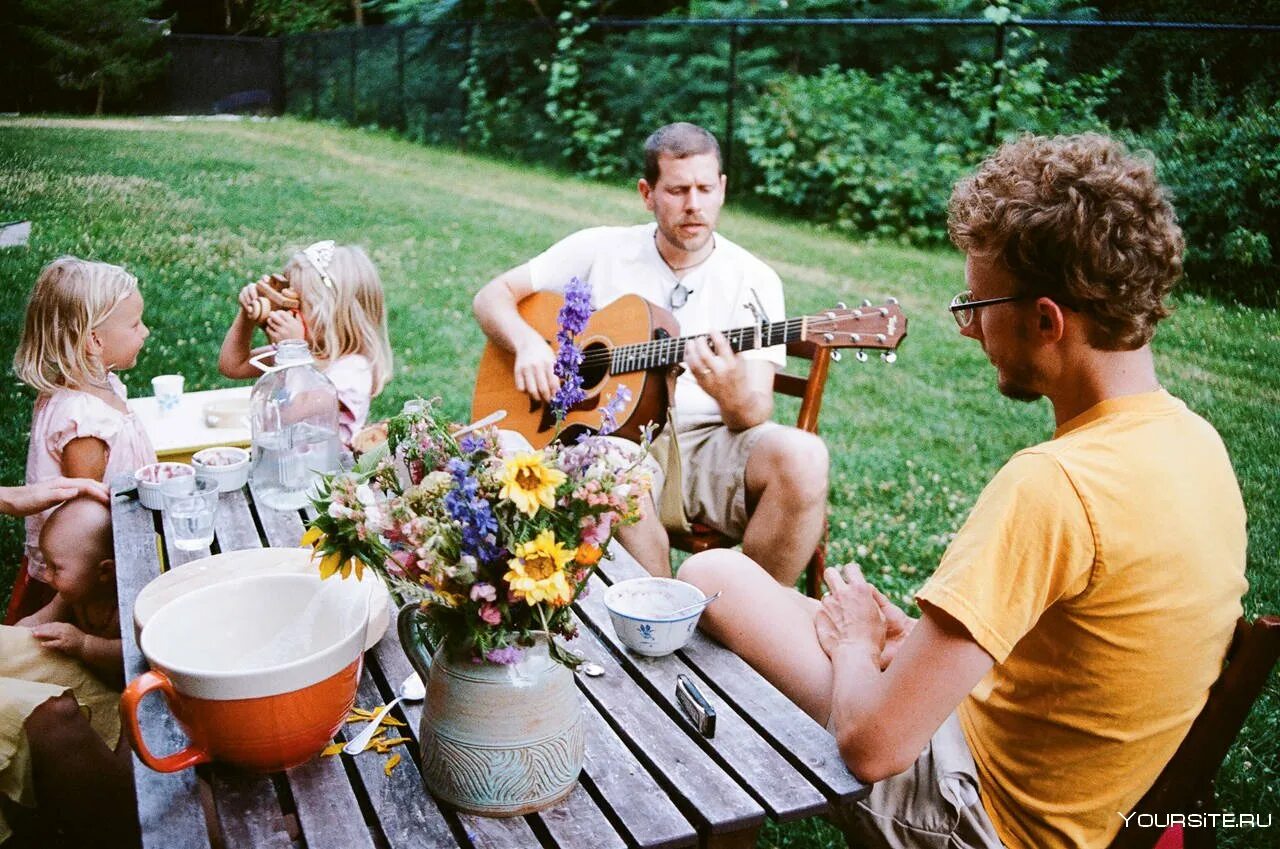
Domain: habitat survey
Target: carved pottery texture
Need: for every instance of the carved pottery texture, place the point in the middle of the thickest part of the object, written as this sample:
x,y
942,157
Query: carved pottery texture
x,y
503,779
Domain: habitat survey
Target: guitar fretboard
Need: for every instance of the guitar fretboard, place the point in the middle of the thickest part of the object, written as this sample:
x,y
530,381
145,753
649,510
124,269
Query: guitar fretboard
x,y
661,353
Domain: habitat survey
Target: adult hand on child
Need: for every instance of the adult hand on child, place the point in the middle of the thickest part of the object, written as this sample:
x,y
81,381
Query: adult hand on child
x,y
36,497
850,615
60,636
283,324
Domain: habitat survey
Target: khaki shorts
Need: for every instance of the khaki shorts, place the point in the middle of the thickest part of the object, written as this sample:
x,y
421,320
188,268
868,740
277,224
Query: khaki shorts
x,y
933,805
713,463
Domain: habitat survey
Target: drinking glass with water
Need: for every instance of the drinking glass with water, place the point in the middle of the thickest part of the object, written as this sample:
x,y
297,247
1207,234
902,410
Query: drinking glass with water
x,y
190,505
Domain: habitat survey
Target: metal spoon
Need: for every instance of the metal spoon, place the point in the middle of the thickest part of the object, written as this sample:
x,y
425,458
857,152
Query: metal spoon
x,y
411,690
675,614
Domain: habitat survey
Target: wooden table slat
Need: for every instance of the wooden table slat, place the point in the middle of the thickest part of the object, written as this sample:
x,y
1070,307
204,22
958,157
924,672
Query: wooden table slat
x,y
801,739
282,527
578,823
248,810
709,795
409,817
169,807
327,807
233,527
650,818
756,764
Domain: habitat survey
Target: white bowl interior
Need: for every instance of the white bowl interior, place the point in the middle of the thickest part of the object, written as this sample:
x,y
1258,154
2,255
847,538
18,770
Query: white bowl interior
x,y
258,635
640,611
222,458
652,599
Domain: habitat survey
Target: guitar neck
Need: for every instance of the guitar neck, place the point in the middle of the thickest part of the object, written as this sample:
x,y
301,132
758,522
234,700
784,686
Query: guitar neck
x,y
661,353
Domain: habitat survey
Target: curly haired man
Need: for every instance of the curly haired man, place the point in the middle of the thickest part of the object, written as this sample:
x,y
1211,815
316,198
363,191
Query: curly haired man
x,y
1052,673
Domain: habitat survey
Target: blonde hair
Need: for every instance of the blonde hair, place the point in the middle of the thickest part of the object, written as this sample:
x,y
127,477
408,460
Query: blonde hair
x,y
71,297
350,317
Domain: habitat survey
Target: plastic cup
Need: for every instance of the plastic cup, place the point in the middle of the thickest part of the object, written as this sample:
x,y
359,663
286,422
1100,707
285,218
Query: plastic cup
x,y
168,391
190,505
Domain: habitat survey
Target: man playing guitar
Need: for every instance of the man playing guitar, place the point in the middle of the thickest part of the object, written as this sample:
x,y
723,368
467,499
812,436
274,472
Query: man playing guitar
x,y
742,473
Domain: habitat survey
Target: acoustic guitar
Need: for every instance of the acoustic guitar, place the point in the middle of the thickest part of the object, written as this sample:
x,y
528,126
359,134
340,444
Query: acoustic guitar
x,y
634,343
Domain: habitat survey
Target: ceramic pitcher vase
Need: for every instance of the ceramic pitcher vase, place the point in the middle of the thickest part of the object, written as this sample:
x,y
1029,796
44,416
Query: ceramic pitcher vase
x,y
497,740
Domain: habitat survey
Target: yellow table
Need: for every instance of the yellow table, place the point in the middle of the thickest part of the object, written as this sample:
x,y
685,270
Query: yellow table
x,y
184,431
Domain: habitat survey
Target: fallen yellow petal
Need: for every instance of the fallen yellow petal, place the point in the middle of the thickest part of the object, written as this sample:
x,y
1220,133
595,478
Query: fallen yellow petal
x,y
390,765
391,720
332,749
374,743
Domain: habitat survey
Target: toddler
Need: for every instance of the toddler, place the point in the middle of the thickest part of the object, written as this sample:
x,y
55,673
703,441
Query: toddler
x,y
83,324
339,312
60,674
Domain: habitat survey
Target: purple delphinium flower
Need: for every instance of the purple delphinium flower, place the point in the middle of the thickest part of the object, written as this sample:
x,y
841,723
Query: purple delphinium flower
x,y
572,320
472,513
609,415
472,443
504,655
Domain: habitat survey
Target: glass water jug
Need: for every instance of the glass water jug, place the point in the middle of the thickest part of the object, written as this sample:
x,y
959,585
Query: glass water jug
x,y
293,414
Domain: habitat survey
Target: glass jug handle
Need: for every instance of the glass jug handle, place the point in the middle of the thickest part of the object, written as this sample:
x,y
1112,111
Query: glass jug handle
x,y
257,362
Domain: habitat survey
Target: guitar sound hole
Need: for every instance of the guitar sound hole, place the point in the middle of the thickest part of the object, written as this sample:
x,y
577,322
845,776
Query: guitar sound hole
x,y
595,365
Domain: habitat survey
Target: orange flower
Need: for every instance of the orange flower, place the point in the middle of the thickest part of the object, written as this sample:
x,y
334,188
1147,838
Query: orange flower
x,y
588,555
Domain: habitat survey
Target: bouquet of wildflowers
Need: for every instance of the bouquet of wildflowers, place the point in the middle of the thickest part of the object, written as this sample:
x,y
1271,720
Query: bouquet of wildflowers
x,y
494,546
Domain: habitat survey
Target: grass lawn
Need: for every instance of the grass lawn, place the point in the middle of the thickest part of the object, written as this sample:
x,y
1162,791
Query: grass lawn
x,y
197,209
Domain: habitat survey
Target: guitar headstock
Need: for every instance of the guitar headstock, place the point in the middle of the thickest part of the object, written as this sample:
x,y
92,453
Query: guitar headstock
x,y
876,326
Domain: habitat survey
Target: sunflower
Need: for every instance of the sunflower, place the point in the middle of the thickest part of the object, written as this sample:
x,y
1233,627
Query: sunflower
x,y
332,561
537,571
529,483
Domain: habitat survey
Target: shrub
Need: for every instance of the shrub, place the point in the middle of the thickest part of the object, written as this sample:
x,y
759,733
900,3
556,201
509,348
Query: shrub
x,y
866,154
1221,158
878,155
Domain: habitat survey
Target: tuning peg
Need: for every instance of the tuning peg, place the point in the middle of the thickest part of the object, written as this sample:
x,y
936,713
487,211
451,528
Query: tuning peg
x,y
835,356
830,315
881,338
860,356
866,302
889,357
884,312
840,305
891,300
828,337
855,337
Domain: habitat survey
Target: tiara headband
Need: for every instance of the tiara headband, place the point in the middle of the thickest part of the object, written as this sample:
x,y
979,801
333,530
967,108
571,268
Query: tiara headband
x,y
320,255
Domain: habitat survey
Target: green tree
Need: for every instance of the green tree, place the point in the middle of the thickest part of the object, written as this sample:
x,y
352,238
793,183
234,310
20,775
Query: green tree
x,y
109,47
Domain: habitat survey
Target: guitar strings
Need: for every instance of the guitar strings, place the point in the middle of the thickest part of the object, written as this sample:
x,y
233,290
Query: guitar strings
x,y
670,346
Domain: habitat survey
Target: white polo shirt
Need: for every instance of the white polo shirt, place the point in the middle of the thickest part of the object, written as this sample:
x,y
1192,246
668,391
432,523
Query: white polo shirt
x,y
619,261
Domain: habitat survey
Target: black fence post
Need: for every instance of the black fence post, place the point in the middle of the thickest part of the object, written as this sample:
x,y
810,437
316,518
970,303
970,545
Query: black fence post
x,y
314,75
351,82
282,76
729,103
404,112
997,77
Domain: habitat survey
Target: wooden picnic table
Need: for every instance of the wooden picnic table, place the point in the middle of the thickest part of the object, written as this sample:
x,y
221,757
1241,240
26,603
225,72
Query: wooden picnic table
x,y
650,780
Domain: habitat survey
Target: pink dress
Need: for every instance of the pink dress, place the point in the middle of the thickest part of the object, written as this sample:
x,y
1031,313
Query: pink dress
x,y
66,415
352,375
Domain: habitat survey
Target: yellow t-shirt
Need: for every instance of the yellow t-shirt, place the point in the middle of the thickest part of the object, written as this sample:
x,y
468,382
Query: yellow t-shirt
x,y
1103,571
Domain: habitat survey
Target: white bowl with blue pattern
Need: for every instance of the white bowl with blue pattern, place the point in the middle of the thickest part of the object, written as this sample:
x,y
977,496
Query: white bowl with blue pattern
x,y
641,608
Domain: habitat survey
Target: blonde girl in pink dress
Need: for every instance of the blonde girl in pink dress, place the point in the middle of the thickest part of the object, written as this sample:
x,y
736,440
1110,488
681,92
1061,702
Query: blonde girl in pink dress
x,y
83,324
340,315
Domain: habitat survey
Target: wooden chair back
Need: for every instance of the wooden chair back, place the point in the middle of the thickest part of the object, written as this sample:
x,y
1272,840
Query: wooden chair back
x,y
808,388
1185,786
